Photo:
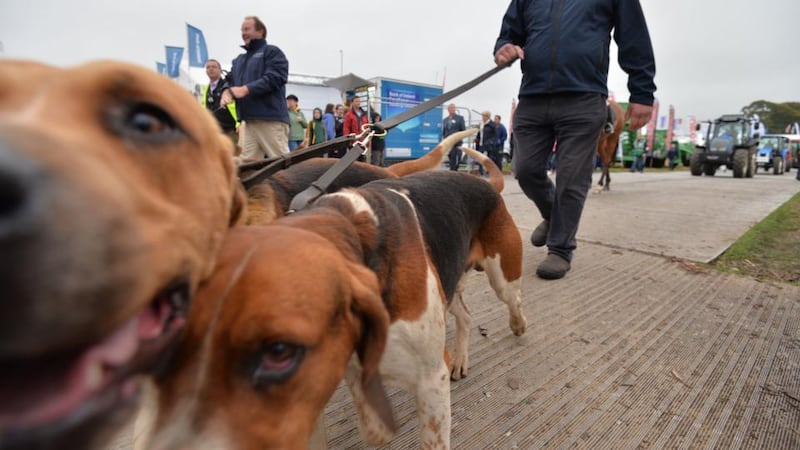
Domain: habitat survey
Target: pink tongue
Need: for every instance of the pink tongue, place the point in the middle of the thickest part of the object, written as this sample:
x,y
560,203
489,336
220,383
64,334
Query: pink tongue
x,y
118,347
40,399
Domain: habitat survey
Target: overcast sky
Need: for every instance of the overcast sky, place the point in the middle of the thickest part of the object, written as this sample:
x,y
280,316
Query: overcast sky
x,y
712,56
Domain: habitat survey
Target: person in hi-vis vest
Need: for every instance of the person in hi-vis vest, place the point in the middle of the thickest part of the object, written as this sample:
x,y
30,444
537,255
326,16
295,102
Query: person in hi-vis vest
x,y
226,115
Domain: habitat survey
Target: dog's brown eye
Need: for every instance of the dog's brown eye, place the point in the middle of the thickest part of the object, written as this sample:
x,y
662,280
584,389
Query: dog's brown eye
x,y
144,121
277,361
278,356
150,119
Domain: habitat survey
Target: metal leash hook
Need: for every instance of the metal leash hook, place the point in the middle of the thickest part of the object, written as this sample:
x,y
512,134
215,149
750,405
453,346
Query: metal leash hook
x,y
367,133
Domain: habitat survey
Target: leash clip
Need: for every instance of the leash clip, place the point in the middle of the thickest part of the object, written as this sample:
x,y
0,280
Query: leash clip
x,y
365,137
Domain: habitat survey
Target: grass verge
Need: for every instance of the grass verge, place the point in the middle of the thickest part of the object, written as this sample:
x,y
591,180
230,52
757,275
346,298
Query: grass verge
x,y
770,250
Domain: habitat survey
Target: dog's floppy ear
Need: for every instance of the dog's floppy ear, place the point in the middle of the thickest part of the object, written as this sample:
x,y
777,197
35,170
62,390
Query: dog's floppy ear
x,y
369,309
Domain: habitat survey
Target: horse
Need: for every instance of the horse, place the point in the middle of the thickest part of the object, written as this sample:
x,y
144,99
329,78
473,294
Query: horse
x,y
607,145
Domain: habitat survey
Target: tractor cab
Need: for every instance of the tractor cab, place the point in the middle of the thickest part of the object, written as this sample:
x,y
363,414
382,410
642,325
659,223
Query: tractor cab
x,y
774,154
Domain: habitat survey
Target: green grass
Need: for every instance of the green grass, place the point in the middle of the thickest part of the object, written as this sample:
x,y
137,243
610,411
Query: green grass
x,y
770,250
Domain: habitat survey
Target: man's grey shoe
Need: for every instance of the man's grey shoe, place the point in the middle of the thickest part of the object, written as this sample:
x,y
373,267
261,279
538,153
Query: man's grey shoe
x,y
553,267
539,235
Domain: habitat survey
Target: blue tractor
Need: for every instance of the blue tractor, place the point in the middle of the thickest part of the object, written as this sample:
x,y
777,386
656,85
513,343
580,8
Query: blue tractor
x,y
773,153
730,141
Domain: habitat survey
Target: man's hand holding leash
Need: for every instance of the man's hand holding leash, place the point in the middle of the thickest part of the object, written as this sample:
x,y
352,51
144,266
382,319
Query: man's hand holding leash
x,y
638,114
228,95
508,53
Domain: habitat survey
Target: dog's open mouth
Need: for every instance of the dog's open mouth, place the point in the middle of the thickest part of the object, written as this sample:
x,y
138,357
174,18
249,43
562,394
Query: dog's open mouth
x,y
51,393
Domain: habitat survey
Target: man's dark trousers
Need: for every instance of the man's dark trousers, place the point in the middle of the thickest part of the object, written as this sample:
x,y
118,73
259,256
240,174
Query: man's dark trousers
x,y
454,157
574,120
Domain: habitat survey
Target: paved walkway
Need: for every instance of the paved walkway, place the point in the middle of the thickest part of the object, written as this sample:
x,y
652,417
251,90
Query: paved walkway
x,y
632,349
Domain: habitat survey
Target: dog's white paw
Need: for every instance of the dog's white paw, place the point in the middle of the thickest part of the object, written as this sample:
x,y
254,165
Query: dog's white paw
x,y
460,367
518,324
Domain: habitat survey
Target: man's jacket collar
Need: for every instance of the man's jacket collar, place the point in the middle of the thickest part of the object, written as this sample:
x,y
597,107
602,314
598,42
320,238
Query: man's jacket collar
x,y
255,44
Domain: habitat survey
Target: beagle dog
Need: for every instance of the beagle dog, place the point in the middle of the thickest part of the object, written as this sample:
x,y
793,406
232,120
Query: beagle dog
x,y
366,271
267,342
116,189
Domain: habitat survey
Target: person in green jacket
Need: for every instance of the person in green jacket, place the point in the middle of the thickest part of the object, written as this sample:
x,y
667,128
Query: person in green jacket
x,y
638,156
297,123
316,129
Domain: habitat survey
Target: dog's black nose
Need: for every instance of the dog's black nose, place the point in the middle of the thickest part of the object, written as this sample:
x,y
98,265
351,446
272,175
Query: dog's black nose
x,y
17,191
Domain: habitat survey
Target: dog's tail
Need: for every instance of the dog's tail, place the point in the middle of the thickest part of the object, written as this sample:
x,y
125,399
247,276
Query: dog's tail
x,y
495,174
434,158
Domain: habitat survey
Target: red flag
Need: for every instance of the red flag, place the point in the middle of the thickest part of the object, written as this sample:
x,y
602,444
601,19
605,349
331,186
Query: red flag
x,y
511,117
651,126
670,125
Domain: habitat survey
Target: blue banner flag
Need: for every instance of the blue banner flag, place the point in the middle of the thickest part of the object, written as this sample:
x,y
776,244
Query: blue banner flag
x,y
174,55
198,52
161,68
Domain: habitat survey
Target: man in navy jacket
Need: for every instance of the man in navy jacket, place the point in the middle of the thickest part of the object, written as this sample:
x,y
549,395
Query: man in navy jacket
x,y
259,86
563,50
502,133
453,123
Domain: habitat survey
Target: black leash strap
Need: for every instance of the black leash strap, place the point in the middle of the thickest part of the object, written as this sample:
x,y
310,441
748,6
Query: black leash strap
x,y
268,167
320,186
427,105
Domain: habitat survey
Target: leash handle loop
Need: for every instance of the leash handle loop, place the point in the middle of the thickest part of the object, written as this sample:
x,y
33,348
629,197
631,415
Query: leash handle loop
x,y
375,129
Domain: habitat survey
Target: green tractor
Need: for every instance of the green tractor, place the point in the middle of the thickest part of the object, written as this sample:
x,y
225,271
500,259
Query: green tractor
x,y
728,142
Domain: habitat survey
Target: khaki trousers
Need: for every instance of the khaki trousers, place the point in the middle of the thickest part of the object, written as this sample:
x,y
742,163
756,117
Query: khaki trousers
x,y
265,139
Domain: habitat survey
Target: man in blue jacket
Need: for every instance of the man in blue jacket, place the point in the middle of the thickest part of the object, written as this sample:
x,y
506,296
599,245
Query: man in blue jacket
x,y
502,134
563,50
453,123
259,86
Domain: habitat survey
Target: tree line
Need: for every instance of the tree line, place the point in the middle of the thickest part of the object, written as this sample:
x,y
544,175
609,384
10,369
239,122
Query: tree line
x,y
776,116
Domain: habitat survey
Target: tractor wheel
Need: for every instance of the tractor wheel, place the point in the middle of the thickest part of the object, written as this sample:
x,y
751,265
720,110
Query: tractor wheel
x,y
695,166
710,170
751,164
777,164
740,161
